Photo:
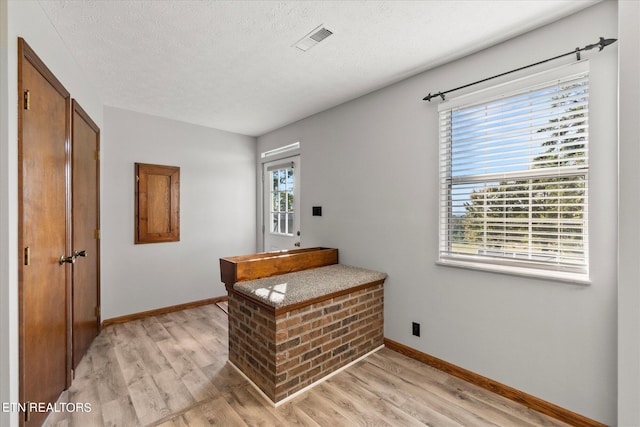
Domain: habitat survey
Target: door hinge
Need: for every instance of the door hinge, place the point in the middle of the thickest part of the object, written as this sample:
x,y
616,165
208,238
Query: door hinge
x,y
97,234
73,374
98,311
27,412
27,100
97,155
27,256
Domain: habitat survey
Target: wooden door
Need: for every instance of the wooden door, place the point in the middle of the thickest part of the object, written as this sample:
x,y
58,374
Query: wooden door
x,y
44,282
85,143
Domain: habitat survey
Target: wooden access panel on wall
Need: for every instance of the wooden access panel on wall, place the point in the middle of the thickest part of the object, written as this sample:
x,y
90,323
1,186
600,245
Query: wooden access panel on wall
x,y
157,203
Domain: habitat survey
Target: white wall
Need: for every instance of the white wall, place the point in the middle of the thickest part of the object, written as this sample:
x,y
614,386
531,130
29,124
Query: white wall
x,y
628,225
8,381
218,188
372,164
217,211
25,19
552,340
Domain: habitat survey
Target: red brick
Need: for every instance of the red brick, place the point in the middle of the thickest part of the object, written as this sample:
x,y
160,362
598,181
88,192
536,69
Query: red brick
x,y
311,315
350,336
328,366
311,335
288,344
320,340
332,308
340,332
310,374
321,322
288,322
272,350
288,365
298,350
299,369
331,345
298,330
330,327
282,335
340,349
311,353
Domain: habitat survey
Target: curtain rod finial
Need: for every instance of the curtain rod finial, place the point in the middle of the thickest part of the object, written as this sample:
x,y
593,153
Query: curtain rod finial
x,y
601,44
430,97
606,42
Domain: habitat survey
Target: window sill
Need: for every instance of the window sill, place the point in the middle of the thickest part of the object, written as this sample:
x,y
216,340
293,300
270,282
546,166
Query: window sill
x,y
559,276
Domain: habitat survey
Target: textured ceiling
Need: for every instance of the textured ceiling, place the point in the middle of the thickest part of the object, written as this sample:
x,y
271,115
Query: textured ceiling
x,y
230,65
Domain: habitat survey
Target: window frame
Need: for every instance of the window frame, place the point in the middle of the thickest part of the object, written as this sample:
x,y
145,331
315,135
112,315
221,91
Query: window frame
x,y
288,192
501,264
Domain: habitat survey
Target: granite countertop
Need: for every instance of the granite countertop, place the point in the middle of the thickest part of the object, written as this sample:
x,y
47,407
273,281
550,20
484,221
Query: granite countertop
x,y
292,288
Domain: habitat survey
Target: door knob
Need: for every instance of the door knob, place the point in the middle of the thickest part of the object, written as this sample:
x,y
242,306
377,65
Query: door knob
x,y
296,244
72,259
67,259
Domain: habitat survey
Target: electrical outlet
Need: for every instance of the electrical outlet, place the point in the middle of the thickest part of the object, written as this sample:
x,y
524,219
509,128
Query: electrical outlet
x,y
415,329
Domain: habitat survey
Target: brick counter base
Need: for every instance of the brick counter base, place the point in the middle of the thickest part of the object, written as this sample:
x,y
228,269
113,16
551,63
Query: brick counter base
x,y
283,351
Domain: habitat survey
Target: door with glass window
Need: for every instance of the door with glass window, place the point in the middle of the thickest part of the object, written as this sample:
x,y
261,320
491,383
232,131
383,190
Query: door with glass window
x,y
281,217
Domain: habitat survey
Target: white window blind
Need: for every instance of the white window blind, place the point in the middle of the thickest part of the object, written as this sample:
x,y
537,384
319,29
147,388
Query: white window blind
x,y
514,179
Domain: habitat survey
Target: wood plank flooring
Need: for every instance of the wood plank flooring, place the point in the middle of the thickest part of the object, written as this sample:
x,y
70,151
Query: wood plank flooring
x,y
171,371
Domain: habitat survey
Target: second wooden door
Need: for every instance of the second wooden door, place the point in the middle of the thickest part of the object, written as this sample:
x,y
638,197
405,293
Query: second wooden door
x,y
85,142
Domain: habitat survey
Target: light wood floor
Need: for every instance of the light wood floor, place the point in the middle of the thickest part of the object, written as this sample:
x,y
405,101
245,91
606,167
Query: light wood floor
x,y
171,370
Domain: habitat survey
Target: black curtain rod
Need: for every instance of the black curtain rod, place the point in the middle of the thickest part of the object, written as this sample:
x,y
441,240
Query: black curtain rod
x,y
601,44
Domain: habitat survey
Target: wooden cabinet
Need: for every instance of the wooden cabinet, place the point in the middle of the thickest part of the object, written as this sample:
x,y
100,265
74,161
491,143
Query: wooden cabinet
x,y
266,264
157,203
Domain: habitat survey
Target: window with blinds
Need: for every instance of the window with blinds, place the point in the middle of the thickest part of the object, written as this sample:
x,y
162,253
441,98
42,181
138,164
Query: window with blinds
x,y
514,180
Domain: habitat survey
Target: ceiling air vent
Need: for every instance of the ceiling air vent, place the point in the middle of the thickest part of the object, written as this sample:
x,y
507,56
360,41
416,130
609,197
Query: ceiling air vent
x,y
313,38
